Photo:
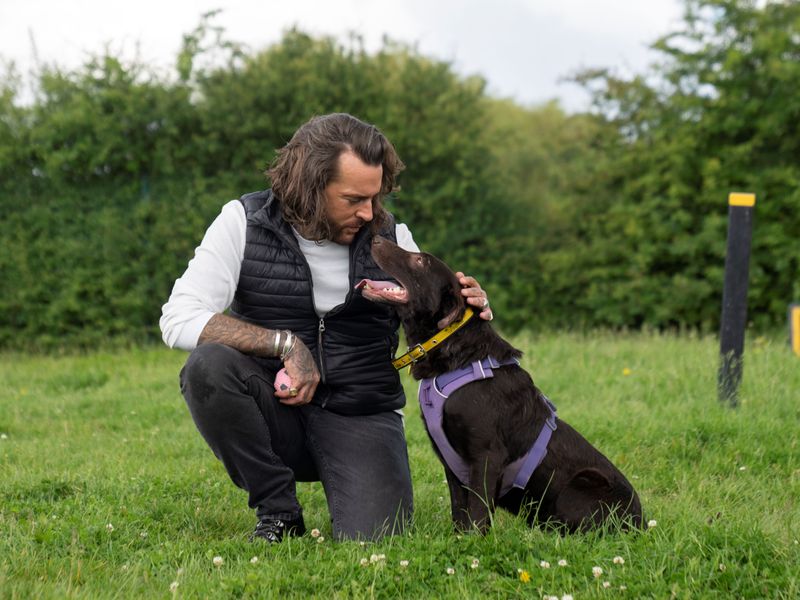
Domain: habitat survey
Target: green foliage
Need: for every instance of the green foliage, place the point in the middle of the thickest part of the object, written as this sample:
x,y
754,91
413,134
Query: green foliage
x,y
722,116
123,171
613,218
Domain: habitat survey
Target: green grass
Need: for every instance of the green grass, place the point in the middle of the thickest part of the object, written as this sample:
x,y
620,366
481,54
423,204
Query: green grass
x,y
103,439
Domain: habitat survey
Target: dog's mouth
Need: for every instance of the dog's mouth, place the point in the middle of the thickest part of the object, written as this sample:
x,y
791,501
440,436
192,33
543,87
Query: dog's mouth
x,y
383,291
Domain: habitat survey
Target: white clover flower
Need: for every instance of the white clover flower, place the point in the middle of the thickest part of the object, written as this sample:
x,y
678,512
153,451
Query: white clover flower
x,y
173,586
618,560
364,562
546,597
143,534
606,584
217,560
475,563
124,567
722,567
404,563
566,597
3,436
562,562
110,527
320,539
544,564
254,560
597,571
652,523
622,588
315,533
451,571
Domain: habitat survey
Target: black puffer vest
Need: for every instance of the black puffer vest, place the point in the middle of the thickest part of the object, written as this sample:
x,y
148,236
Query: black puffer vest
x,y
353,344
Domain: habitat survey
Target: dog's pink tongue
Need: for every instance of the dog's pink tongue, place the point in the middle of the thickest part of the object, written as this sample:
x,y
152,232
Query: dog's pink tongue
x,y
376,285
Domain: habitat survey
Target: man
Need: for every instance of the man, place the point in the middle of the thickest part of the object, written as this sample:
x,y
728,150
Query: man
x,y
285,261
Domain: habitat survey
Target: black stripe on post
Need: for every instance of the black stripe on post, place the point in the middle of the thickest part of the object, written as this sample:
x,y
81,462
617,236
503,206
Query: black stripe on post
x,y
734,296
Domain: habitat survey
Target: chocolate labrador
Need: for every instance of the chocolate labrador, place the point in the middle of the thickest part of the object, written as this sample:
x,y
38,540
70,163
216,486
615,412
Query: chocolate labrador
x,y
495,432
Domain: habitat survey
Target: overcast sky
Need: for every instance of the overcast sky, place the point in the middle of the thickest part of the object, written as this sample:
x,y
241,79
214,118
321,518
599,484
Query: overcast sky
x,y
522,47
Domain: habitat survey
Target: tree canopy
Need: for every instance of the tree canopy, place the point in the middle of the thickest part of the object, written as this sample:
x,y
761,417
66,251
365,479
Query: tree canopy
x,y
616,217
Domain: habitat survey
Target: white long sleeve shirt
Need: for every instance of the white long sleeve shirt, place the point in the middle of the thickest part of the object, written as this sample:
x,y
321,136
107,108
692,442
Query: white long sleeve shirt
x,y
209,283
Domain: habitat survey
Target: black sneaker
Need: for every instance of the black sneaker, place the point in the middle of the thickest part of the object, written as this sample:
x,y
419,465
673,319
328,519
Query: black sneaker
x,y
273,530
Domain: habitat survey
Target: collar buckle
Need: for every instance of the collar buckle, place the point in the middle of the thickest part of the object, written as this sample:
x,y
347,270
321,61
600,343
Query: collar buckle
x,y
417,353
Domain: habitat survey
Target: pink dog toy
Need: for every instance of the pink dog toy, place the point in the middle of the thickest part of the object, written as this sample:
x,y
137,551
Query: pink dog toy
x,y
282,381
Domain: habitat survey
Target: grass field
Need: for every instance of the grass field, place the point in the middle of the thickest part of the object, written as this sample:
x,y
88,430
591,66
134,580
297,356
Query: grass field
x,y
108,491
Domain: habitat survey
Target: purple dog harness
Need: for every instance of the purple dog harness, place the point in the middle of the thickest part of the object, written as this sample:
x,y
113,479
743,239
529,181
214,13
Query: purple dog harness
x,y
432,394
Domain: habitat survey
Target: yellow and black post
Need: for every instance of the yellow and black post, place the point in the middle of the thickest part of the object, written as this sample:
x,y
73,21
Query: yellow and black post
x,y
734,295
794,328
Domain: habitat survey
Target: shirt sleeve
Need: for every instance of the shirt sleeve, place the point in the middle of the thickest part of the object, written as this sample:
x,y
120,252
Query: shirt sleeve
x,y
209,283
404,239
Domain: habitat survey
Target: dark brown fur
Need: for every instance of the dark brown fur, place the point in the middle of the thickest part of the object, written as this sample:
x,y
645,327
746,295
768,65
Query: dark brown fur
x,y
492,422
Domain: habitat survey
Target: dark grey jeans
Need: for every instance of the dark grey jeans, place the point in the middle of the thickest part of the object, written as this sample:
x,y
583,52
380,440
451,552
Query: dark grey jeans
x,y
267,446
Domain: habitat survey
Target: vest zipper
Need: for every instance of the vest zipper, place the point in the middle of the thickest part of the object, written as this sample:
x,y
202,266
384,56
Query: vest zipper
x,y
321,352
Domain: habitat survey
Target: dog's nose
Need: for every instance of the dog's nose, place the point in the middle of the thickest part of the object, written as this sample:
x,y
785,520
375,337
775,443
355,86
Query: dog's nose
x,y
376,241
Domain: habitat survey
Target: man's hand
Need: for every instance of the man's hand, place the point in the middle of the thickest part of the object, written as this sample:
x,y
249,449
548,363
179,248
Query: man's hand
x,y
302,369
475,295
252,339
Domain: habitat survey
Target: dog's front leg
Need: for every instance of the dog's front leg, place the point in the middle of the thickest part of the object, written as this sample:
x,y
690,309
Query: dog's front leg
x,y
484,476
459,499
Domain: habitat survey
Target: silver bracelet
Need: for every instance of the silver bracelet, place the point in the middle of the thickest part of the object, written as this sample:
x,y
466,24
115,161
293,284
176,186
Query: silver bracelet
x,y
288,345
277,343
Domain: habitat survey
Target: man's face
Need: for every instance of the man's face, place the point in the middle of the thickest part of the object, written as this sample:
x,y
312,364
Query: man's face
x,y
349,197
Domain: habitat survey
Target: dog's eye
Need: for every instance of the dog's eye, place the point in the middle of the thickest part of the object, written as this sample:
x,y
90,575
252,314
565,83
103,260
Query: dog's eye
x,y
421,260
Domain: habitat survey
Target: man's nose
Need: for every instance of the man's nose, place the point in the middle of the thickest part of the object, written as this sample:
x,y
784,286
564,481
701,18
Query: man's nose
x,y
364,211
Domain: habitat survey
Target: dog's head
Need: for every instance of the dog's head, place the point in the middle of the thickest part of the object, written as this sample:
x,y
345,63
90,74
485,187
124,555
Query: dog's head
x,y
429,295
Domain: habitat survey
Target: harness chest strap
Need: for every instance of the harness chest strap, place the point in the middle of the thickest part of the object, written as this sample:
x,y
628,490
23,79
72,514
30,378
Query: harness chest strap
x,y
432,394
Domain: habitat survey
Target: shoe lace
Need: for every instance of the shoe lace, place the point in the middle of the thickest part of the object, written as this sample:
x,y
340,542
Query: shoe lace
x,y
271,529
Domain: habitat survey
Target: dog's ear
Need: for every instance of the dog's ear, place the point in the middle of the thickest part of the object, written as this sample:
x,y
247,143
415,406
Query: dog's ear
x,y
453,305
451,317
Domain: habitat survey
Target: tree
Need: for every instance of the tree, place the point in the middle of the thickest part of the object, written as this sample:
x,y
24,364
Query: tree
x,y
719,114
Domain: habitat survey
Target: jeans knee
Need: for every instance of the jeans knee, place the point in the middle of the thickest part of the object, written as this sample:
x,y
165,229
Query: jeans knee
x,y
203,375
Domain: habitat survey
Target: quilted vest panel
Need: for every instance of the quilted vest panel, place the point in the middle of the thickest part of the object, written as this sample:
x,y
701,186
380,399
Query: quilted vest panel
x,y
353,344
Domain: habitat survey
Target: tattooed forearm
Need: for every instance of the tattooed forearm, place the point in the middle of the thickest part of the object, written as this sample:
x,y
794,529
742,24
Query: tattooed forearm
x,y
245,337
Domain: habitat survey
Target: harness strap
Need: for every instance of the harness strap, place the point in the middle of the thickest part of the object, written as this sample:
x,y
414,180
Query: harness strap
x,y
525,466
432,394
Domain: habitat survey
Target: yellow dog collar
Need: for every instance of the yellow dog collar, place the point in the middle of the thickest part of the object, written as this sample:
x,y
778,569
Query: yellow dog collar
x,y
420,350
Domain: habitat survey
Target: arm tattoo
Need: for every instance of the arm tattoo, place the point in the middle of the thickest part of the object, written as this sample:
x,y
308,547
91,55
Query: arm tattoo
x,y
245,337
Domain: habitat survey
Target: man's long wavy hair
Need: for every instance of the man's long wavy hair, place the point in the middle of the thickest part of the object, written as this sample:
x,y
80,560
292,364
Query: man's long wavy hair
x,y
305,166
